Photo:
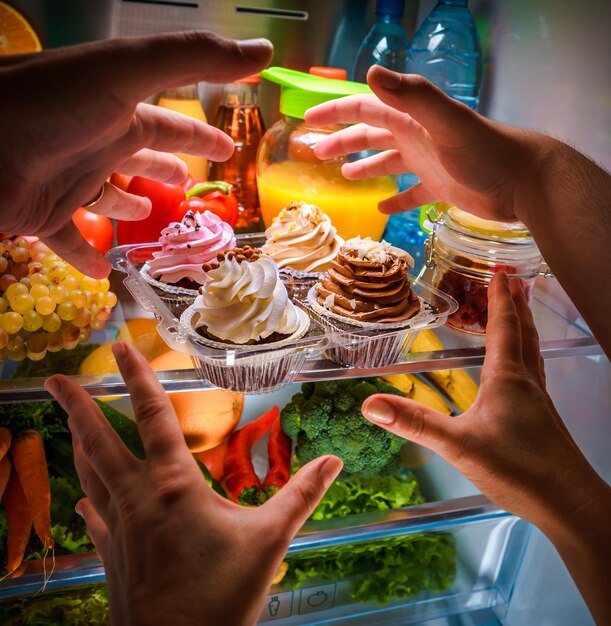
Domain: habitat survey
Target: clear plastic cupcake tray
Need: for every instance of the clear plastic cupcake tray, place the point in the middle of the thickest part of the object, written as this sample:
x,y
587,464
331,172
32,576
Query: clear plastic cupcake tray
x,y
265,367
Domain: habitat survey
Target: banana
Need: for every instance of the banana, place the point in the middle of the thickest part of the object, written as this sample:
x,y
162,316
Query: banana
x,y
418,390
457,385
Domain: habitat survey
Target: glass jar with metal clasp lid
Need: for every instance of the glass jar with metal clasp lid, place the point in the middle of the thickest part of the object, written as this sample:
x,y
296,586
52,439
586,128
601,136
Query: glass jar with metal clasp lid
x,y
463,252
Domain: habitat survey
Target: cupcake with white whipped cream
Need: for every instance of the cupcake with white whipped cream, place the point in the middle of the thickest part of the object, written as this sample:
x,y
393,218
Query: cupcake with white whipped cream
x,y
176,271
302,239
244,304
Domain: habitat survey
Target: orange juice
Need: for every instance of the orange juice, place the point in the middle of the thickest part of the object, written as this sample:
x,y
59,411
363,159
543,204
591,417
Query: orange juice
x,y
351,205
198,166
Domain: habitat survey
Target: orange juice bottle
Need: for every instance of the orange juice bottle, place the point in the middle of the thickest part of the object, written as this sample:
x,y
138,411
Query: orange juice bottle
x,y
185,100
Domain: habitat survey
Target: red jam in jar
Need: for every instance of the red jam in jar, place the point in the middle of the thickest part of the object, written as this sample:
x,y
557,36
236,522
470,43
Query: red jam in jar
x,y
464,253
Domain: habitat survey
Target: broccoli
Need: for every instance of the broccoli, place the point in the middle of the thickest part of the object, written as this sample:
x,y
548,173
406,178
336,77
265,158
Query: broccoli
x,y
326,418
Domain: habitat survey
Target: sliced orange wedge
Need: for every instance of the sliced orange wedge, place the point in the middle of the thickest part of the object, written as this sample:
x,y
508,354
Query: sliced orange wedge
x,y
16,34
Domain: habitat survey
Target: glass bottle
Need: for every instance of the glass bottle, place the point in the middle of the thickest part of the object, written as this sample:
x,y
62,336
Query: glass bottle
x,y
240,117
186,100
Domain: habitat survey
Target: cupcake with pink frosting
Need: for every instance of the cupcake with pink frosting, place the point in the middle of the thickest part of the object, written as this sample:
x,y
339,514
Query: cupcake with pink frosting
x,y
176,270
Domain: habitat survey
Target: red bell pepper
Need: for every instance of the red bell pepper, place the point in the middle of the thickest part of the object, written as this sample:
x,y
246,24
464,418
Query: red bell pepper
x,y
279,449
214,196
241,482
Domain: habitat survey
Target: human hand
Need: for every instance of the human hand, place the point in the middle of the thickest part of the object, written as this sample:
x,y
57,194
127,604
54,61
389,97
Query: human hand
x,y
459,156
174,551
74,115
511,443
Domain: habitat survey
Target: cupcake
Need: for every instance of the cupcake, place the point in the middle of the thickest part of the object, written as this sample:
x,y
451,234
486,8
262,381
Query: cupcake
x,y
245,305
176,270
303,242
368,287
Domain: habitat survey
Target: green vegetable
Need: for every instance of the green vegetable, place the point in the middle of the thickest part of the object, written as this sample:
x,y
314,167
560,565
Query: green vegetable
x,y
363,495
45,417
381,570
63,362
326,418
86,606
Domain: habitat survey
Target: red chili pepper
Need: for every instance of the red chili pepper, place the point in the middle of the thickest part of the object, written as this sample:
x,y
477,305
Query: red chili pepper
x,y
241,482
212,196
279,449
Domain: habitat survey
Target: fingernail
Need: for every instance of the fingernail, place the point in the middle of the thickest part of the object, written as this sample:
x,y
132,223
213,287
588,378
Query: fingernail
x,y
119,350
256,49
53,386
387,78
78,508
379,411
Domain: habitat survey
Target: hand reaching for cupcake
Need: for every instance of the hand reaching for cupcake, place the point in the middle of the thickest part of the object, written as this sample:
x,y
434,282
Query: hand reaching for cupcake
x,y
81,118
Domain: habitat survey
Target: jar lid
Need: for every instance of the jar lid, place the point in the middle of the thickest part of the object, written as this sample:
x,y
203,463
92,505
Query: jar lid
x,y
301,91
489,229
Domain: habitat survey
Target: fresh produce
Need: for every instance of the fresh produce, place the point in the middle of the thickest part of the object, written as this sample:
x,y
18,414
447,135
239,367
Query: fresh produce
x,y
214,196
214,460
43,417
46,305
97,230
241,482
5,474
326,418
457,385
18,521
279,448
65,362
30,465
419,391
165,200
5,441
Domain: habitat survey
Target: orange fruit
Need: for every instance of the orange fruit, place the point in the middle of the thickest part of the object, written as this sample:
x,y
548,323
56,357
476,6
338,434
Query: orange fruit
x,y
16,35
206,417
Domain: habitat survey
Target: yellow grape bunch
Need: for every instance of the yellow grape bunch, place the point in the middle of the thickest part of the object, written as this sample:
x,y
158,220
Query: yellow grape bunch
x,y
46,305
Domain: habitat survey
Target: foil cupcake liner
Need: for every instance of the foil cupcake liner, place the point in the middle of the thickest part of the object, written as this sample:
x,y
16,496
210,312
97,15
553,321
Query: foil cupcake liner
x,y
384,344
271,368
177,298
298,283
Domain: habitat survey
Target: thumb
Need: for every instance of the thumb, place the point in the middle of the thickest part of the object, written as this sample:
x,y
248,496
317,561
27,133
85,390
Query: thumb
x,y
412,420
442,116
296,501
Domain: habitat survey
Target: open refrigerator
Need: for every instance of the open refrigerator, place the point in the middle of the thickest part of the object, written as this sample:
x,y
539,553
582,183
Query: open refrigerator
x,y
505,571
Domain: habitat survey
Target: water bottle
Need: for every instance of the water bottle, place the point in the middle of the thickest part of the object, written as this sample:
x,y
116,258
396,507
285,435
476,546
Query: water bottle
x,y
446,50
386,43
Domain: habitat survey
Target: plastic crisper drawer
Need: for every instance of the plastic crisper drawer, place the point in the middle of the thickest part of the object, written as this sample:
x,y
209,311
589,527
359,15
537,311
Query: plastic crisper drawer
x,y
263,368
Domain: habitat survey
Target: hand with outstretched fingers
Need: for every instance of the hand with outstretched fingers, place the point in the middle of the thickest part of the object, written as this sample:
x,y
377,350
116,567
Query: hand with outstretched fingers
x,y
174,551
513,445
81,117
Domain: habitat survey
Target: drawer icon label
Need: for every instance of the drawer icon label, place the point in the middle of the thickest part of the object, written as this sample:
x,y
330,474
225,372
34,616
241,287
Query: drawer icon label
x,y
276,606
316,599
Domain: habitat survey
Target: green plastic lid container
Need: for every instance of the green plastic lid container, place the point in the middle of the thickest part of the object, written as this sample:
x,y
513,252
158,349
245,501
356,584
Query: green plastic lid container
x,y
301,91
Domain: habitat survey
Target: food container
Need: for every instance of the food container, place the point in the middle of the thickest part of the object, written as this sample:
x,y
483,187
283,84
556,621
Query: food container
x,y
288,170
262,368
463,252
177,298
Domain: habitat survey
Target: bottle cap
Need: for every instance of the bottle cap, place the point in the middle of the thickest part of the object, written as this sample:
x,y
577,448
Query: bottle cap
x,y
390,7
301,91
329,72
253,79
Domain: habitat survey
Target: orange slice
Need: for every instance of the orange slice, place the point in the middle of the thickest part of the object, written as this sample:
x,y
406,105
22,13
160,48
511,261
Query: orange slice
x,y
16,35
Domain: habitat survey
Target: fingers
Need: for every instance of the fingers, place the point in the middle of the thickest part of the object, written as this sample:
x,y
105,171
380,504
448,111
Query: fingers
x,y
531,355
168,131
137,67
442,116
411,198
296,501
121,205
96,528
101,445
387,163
354,139
503,333
69,244
161,166
412,420
93,487
158,426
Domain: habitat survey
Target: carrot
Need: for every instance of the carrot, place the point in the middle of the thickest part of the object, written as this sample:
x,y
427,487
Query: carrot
x,y
30,463
18,521
5,441
5,474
